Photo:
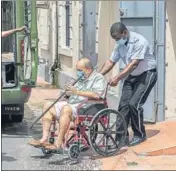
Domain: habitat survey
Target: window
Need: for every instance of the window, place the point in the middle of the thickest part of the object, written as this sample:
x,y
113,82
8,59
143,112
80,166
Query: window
x,y
67,13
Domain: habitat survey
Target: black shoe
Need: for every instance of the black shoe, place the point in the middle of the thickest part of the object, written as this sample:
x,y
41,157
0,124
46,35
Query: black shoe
x,y
137,140
126,143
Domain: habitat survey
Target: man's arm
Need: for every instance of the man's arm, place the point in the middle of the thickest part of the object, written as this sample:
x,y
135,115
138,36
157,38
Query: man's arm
x,y
108,65
97,92
10,32
128,69
139,51
89,94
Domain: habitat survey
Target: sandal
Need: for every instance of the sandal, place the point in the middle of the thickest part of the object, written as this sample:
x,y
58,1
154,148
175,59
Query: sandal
x,y
54,148
37,143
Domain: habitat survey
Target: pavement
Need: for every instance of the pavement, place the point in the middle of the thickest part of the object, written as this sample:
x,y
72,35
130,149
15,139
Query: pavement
x,y
157,153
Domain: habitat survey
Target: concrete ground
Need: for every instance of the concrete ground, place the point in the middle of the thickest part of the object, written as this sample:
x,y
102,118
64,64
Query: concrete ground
x,y
157,153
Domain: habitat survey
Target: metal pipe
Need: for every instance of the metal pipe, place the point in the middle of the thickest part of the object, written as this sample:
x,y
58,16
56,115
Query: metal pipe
x,y
56,63
155,53
57,59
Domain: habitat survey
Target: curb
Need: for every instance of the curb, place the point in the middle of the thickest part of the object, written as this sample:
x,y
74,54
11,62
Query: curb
x,y
165,151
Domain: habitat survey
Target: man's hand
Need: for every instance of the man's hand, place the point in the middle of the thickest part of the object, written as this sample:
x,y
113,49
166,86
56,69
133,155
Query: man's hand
x,y
10,32
21,28
113,82
71,89
129,68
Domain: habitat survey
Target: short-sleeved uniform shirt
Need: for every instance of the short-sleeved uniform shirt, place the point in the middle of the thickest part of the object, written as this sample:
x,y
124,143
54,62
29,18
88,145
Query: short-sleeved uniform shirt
x,y
137,48
94,83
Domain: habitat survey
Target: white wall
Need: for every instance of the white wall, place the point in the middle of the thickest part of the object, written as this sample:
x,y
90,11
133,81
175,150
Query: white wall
x,y
171,60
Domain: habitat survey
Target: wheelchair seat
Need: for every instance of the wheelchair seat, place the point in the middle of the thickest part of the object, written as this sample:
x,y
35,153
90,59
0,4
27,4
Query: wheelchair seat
x,y
92,108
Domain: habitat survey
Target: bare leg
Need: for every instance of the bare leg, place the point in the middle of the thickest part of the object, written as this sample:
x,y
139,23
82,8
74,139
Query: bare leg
x,y
46,121
70,133
46,124
64,122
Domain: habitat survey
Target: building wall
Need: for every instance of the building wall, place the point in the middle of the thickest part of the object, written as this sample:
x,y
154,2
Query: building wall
x,y
45,35
170,60
105,43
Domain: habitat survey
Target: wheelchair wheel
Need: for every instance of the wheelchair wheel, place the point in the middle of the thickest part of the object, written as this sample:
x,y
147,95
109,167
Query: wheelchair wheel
x,y
93,132
111,125
74,152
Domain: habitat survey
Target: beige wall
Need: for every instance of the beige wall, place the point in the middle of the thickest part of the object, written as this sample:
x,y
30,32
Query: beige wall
x,y
171,60
108,14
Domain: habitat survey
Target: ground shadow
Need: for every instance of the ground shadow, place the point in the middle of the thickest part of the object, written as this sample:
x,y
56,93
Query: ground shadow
x,y
22,129
7,158
64,161
42,157
151,133
96,157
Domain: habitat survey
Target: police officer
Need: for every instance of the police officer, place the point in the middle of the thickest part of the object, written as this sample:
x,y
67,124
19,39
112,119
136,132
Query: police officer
x,y
140,76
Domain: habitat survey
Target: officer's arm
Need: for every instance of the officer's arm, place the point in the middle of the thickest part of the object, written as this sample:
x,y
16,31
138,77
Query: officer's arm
x,y
108,65
128,69
139,51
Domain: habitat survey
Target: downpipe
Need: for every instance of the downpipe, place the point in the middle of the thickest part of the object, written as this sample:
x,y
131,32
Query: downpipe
x,y
56,63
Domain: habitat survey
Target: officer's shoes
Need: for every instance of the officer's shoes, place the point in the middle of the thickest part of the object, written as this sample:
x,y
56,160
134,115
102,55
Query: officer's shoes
x,y
137,140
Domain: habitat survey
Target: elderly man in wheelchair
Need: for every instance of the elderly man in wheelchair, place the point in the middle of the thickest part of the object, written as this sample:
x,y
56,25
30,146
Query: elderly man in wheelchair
x,y
88,93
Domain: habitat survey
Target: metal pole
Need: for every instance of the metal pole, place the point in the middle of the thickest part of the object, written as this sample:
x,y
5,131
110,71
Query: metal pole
x,y
52,105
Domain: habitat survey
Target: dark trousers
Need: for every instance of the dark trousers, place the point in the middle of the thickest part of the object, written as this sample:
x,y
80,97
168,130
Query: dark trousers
x,y
135,92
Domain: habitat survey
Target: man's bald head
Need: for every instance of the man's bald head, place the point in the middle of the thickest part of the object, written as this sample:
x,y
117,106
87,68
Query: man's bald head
x,y
84,63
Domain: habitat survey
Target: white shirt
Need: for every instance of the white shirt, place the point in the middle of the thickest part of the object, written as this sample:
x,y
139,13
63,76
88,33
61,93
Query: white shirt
x,y
136,48
96,83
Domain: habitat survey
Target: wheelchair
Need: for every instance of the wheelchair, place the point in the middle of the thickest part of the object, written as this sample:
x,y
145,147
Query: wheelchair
x,y
97,127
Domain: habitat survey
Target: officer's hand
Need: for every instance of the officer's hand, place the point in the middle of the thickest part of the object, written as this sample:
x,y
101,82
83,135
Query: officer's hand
x,y
113,82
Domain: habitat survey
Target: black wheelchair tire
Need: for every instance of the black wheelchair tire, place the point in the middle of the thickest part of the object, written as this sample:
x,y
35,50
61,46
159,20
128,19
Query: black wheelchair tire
x,y
95,148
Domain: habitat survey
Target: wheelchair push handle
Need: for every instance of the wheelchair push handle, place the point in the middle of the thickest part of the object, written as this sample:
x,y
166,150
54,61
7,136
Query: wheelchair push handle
x,y
106,90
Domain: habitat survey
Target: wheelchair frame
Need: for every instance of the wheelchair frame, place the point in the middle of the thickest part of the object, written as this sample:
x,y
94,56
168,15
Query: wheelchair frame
x,y
90,123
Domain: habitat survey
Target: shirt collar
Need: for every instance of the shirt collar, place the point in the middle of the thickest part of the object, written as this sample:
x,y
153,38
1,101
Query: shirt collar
x,y
91,75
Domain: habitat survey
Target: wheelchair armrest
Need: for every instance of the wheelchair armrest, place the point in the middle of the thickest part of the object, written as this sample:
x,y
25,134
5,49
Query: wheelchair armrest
x,y
91,108
94,101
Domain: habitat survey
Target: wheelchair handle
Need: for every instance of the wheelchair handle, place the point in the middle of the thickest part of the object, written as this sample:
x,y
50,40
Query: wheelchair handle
x,y
106,91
